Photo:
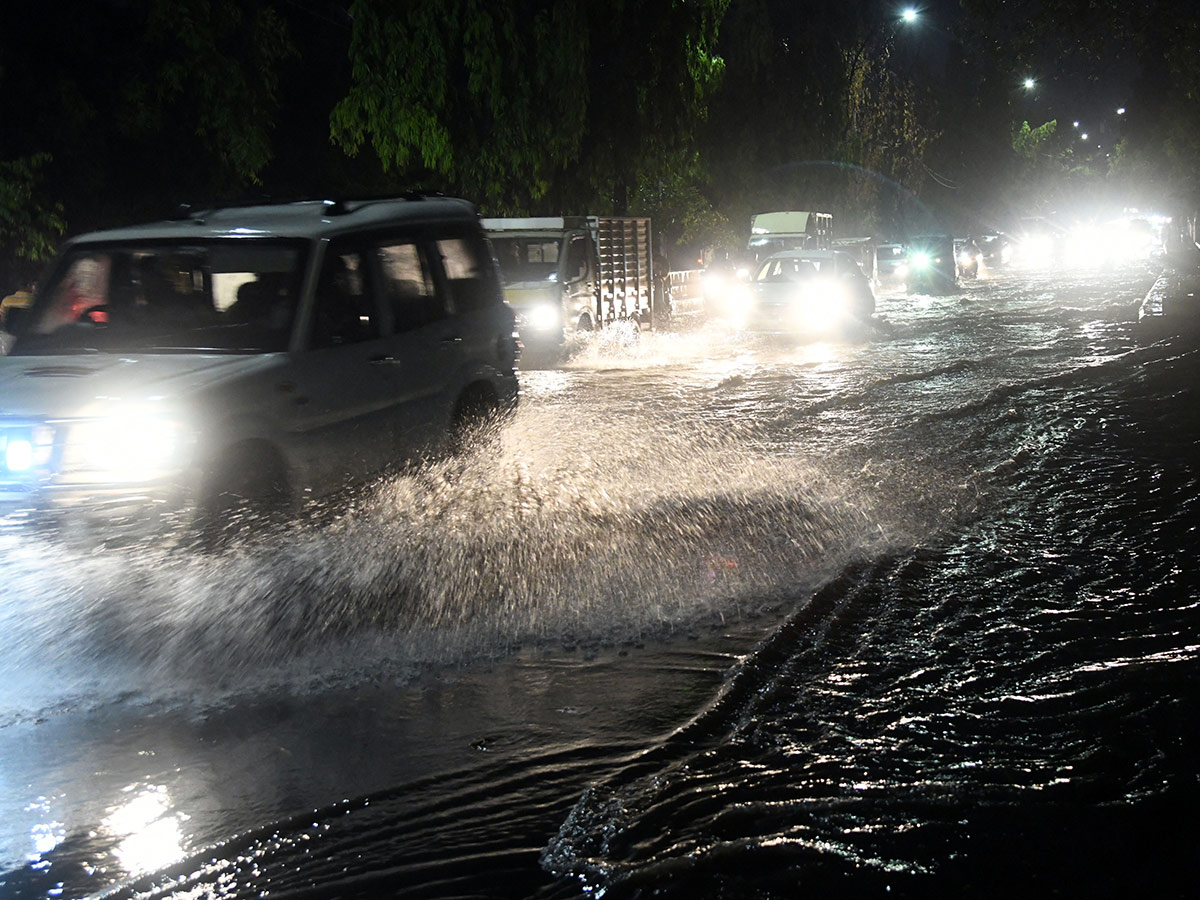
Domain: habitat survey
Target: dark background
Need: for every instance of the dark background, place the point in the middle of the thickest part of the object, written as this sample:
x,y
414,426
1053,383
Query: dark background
x,y
697,114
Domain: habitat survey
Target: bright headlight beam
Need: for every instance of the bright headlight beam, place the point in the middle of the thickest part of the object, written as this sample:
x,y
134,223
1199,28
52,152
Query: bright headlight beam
x,y
543,317
128,447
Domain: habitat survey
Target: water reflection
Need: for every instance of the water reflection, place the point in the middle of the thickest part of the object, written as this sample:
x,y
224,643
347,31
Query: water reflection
x,y
45,835
146,834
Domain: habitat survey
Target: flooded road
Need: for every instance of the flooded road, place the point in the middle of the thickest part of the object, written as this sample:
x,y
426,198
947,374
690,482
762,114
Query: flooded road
x,y
723,616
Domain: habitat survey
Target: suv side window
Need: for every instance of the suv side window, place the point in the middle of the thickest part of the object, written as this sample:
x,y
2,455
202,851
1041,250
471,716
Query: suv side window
x,y
345,310
408,285
469,273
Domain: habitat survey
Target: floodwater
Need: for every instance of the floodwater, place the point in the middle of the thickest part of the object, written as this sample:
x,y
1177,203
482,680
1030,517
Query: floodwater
x,y
721,617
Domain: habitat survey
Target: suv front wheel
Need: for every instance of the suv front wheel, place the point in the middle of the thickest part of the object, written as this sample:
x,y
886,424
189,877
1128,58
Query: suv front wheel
x,y
245,493
475,420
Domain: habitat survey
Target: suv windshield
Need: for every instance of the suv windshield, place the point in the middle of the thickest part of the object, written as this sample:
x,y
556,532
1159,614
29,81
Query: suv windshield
x,y
227,296
791,268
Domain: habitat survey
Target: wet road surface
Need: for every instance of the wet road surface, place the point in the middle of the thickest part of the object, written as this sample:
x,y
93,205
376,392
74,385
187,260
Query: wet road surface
x,y
726,616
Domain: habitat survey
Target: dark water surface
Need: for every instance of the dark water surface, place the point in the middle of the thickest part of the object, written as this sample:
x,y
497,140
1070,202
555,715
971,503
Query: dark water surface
x,y
727,617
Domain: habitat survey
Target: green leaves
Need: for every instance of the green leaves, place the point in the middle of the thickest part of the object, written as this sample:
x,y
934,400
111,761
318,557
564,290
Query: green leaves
x,y
488,97
29,227
1030,143
516,103
220,60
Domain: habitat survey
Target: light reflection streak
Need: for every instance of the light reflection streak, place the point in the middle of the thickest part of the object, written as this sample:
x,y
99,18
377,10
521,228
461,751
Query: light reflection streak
x,y
45,835
148,834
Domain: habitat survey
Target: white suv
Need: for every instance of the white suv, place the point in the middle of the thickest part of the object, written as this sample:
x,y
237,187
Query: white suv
x,y
266,355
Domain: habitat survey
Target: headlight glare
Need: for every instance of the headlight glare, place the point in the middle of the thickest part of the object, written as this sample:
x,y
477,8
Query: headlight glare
x,y
128,447
544,317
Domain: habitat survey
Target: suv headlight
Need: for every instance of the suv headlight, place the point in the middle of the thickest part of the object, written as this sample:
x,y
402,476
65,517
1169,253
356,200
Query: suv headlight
x,y
136,446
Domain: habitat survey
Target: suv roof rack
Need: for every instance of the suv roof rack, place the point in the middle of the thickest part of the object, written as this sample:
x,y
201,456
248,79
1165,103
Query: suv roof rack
x,y
330,207
345,205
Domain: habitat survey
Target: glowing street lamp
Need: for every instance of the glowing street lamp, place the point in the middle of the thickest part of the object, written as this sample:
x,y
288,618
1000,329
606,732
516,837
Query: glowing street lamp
x,y
1120,111
909,15
1029,83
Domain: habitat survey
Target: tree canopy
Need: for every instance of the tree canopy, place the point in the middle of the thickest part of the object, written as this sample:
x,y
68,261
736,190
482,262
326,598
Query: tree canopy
x,y
697,112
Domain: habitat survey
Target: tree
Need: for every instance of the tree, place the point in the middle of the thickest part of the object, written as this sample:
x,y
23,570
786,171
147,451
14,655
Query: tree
x,y
134,105
29,226
527,104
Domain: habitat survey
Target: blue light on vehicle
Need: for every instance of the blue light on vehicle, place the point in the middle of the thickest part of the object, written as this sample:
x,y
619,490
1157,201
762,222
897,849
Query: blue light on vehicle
x,y
18,455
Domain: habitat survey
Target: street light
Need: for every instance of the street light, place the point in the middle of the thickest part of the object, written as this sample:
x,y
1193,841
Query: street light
x,y
1029,83
909,15
1120,111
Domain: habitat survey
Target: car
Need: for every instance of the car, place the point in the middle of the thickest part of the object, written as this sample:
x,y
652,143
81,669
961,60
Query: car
x,y
250,359
995,251
932,265
1040,243
813,292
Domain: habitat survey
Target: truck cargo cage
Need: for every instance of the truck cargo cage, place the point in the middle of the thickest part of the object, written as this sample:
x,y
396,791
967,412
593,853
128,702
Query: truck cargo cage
x,y
626,268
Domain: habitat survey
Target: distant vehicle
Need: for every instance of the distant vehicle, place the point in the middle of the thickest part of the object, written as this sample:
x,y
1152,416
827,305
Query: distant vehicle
x,y
811,292
863,251
248,360
1039,242
995,250
725,283
969,257
932,265
891,263
571,274
773,232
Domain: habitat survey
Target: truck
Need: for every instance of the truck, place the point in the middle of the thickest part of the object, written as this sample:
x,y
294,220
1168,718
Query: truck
x,y
771,232
568,274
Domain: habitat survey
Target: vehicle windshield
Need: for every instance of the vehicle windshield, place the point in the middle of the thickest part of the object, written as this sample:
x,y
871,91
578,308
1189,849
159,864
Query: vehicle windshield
x,y
223,296
526,258
790,268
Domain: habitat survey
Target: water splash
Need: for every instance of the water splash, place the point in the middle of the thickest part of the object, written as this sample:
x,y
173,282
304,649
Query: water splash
x,y
611,532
